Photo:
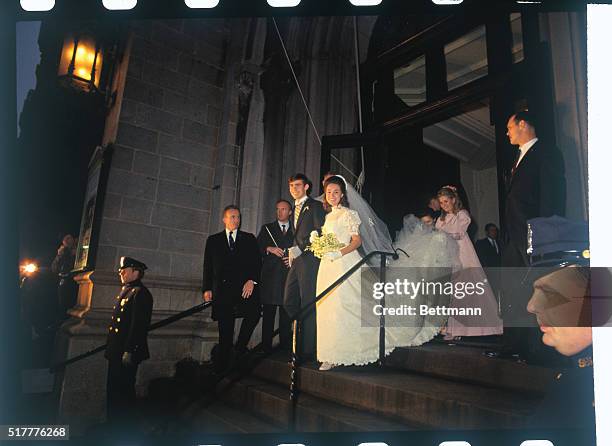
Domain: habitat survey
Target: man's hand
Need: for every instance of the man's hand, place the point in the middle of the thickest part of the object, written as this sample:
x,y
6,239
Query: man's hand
x,y
126,359
247,289
278,252
286,261
207,296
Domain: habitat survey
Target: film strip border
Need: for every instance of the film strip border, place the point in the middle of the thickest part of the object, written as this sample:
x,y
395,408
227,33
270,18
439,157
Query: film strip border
x,y
30,9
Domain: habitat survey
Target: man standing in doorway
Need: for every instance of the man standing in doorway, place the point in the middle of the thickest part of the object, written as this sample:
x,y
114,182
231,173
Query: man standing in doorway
x,y
488,249
535,188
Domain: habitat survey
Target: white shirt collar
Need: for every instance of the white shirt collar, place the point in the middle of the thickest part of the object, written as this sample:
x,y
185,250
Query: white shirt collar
x,y
525,148
281,223
301,200
234,233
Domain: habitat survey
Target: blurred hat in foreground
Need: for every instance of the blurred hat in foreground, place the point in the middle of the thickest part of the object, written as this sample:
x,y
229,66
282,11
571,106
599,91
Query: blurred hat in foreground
x,y
557,241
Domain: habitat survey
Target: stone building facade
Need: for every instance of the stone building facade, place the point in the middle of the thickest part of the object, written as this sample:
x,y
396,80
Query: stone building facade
x,y
188,137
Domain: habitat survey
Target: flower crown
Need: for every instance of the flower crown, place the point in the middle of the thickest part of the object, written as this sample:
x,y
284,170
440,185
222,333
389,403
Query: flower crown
x,y
448,186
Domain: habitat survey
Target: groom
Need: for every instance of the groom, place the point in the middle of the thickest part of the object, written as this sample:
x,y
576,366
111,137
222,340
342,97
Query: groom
x,y
301,283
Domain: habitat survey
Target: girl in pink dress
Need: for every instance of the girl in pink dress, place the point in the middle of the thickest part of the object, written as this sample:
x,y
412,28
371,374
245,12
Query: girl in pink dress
x,y
455,220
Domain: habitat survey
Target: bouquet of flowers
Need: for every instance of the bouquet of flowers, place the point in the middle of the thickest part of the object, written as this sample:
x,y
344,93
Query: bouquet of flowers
x,y
323,244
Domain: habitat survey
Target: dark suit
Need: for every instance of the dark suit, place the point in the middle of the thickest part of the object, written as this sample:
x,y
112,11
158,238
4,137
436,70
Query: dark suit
x,y
301,284
273,277
126,333
489,257
225,273
537,189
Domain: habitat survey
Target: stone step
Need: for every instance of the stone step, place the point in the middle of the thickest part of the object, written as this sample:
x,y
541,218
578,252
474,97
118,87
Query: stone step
x,y
272,403
468,364
213,416
408,397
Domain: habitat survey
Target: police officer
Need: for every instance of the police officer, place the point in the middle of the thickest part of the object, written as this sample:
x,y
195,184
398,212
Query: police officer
x,y
562,304
126,345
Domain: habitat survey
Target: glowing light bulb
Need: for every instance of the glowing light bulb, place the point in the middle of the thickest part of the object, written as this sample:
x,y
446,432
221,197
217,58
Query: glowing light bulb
x,y
30,268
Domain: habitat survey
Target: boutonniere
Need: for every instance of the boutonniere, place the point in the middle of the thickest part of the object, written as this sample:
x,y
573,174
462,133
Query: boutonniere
x,y
306,208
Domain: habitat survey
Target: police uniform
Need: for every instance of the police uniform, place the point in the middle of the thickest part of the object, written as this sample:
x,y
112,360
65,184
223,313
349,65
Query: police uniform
x,y
569,400
126,344
556,246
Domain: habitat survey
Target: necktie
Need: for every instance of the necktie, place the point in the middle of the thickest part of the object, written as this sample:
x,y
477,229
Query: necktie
x,y
284,229
298,209
232,243
494,243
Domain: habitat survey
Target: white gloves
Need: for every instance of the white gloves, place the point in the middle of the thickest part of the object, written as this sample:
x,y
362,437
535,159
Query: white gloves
x,y
313,236
331,256
293,253
126,359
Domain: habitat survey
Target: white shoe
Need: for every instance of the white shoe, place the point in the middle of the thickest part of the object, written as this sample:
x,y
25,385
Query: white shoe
x,y
326,366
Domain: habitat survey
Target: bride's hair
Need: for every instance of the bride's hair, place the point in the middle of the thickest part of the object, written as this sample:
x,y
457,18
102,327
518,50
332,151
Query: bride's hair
x,y
340,182
450,192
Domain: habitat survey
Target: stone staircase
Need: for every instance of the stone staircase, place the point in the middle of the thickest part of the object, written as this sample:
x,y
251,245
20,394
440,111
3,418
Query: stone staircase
x,y
435,386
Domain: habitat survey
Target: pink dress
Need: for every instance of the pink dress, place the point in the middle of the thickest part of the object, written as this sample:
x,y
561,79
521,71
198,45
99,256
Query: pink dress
x,y
488,322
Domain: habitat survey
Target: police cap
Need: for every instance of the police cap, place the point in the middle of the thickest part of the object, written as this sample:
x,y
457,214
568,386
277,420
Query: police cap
x,y
557,241
128,262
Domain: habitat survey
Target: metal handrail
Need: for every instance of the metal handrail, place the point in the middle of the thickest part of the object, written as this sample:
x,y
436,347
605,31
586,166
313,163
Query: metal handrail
x,y
309,307
298,318
156,325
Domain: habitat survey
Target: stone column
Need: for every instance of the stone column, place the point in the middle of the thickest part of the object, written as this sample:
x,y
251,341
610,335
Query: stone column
x,y
566,34
481,188
253,163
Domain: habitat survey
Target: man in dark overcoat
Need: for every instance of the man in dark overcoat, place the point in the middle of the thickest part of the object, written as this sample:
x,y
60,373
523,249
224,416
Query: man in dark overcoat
x,y
274,239
232,266
535,187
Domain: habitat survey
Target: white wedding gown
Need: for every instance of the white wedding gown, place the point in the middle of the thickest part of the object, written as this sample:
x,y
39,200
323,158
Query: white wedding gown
x,y
347,328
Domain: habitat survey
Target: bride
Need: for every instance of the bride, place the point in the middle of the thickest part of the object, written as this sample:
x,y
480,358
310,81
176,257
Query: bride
x,y
347,328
